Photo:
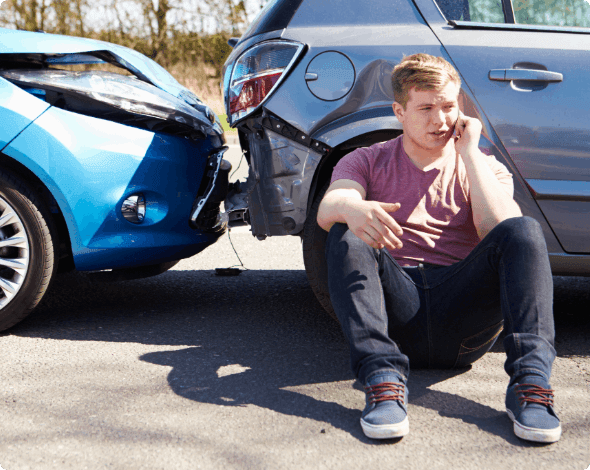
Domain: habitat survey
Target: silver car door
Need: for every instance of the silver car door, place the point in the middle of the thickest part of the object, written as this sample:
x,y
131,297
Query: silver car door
x,y
528,65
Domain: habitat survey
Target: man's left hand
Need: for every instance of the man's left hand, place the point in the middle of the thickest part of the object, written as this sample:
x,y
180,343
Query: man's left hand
x,y
467,133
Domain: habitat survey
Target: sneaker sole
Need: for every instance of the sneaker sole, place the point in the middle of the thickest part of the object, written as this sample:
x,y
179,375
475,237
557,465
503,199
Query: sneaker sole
x,y
386,431
535,434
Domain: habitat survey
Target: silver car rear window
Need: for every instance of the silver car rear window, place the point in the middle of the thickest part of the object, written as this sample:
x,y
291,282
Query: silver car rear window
x,y
275,15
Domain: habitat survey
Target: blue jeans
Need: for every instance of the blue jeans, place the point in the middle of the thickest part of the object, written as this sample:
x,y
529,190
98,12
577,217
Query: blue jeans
x,y
445,316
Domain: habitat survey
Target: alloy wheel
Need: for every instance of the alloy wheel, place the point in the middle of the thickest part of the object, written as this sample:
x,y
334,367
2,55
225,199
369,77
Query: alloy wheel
x,y
14,253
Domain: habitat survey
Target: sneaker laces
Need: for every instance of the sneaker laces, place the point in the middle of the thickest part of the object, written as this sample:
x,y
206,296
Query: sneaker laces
x,y
534,394
377,392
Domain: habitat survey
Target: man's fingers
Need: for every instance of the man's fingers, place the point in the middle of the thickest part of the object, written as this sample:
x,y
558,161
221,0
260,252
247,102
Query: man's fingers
x,y
364,236
373,224
390,206
460,124
392,241
383,236
386,236
388,220
375,236
391,224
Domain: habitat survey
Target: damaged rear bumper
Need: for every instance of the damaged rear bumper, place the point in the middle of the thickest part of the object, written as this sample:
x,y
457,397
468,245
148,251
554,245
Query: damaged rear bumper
x,y
283,162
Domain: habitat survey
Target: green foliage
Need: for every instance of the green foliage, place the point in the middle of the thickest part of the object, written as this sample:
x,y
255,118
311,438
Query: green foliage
x,y
164,30
553,12
575,13
225,125
486,11
215,52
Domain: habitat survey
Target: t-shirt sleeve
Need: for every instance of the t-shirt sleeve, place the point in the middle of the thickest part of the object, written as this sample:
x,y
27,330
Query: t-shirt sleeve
x,y
355,166
502,174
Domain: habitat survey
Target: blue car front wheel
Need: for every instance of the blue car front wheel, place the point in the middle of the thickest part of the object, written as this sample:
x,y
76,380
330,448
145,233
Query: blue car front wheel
x,y
28,244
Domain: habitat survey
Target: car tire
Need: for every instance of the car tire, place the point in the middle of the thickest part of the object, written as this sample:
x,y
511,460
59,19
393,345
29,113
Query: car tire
x,y
314,259
28,242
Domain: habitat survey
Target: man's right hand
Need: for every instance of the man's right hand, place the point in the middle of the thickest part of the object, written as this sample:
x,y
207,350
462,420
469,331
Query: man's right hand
x,y
345,202
371,222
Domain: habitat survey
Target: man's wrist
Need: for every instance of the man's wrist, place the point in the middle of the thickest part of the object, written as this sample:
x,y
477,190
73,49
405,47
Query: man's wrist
x,y
471,151
343,206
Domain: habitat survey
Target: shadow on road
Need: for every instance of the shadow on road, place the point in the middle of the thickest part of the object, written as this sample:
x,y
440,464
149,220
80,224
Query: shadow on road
x,y
251,339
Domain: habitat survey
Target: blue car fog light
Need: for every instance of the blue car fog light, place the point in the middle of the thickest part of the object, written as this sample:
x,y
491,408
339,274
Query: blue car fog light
x,y
133,208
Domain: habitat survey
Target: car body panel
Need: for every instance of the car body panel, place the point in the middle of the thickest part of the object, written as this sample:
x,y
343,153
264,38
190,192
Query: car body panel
x,y
375,39
366,109
284,170
90,173
18,109
284,196
372,64
543,125
357,124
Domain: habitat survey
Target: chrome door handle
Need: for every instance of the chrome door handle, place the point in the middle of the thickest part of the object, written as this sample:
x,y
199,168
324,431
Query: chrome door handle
x,y
532,75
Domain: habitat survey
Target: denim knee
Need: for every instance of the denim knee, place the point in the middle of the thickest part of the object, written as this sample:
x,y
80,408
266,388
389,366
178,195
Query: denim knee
x,y
351,243
337,231
526,232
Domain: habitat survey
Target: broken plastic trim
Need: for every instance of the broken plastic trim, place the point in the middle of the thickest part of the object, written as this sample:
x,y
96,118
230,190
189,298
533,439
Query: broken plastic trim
x,y
257,124
206,208
236,203
281,127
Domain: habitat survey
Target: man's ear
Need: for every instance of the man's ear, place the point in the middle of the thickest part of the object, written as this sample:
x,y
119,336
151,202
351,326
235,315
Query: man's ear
x,y
398,110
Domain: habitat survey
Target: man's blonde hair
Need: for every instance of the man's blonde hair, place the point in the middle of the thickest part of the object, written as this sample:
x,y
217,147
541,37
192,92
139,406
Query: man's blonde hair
x,y
423,71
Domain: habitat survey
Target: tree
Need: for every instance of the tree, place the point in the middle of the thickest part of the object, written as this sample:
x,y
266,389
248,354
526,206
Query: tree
x,y
553,12
155,15
57,16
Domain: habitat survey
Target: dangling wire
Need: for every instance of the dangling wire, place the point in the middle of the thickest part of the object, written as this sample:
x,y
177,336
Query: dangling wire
x,y
238,256
239,164
231,271
229,230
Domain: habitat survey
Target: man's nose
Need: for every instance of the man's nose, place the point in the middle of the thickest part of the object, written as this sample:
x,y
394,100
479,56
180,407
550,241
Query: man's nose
x,y
438,117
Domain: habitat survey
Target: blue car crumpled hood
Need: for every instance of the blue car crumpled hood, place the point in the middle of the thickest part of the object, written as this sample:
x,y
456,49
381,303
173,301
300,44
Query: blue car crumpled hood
x,y
84,51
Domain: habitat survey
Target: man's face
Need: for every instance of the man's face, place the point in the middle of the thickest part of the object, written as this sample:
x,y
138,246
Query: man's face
x,y
430,116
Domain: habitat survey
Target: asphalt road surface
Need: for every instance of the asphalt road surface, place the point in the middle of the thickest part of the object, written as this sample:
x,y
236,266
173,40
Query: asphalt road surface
x,y
190,370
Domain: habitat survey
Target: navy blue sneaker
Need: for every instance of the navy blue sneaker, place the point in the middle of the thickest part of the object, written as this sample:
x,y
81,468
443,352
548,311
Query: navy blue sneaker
x,y
385,415
529,403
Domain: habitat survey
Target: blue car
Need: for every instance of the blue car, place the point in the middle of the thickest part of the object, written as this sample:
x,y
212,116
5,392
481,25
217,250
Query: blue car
x,y
120,173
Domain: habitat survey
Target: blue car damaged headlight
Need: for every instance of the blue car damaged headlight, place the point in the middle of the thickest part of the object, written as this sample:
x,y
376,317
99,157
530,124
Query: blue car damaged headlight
x,y
115,97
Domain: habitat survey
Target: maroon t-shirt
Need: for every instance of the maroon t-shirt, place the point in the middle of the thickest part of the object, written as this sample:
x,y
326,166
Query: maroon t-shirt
x,y
435,213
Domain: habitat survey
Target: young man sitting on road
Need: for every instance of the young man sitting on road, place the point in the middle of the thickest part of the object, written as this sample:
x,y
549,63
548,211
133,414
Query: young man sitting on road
x,y
429,256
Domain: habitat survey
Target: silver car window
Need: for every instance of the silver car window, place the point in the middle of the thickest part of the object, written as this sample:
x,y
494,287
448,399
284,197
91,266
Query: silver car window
x,y
480,11
552,12
326,13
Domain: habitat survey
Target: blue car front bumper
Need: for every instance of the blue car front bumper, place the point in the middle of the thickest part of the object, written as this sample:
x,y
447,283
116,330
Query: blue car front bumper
x,y
91,166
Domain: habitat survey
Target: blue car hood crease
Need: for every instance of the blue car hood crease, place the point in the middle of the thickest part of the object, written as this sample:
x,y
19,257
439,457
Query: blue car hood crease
x,y
25,42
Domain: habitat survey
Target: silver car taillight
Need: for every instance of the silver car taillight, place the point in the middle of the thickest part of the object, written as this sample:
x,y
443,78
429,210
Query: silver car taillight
x,y
258,72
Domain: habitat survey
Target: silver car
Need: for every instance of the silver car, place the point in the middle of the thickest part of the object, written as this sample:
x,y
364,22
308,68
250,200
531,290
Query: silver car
x,y
310,81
